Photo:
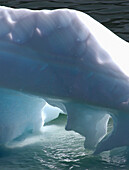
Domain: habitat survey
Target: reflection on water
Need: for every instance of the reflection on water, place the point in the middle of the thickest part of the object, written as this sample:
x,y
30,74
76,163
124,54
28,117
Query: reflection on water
x,y
54,148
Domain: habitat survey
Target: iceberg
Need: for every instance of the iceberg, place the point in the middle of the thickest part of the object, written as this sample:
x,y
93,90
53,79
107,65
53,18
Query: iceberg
x,y
67,59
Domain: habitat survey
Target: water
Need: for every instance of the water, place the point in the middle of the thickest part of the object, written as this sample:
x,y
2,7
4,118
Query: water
x,y
55,148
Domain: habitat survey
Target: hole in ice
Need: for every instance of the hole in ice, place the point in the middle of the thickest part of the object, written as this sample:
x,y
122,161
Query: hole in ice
x,y
52,130
52,133
49,113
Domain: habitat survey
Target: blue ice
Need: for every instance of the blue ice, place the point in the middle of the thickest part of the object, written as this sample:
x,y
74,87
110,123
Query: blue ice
x,y
67,59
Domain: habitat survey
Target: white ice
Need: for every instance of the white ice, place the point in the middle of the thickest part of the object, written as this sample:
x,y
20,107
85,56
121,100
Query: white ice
x,y
74,63
49,113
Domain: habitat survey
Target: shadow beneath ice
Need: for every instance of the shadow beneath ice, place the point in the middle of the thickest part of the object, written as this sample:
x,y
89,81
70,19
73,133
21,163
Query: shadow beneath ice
x,y
4,152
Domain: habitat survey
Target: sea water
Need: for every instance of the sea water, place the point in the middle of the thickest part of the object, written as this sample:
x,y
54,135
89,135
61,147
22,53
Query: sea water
x,y
53,147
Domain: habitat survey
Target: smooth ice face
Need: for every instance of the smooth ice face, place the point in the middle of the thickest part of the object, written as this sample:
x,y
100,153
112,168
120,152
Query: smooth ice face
x,y
88,121
72,61
19,114
49,113
59,58
22,114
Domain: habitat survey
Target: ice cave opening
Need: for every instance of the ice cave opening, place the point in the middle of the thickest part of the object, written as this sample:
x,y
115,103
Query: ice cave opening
x,y
26,117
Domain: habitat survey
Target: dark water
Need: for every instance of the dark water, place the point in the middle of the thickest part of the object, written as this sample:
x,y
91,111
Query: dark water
x,y
54,148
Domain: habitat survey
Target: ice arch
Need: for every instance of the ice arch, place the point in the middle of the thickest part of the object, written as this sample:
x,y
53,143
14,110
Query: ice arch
x,y
72,61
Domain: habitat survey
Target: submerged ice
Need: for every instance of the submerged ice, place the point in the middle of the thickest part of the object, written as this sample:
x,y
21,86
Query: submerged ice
x,y
69,60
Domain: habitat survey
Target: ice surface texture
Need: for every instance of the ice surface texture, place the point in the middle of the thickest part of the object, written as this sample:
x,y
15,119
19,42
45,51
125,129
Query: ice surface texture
x,y
72,62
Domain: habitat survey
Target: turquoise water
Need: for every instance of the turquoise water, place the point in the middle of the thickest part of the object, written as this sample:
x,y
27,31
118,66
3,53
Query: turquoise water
x,y
53,147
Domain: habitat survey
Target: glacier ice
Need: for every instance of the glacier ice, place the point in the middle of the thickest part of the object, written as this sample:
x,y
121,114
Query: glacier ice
x,y
22,114
49,113
88,121
72,62
19,114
